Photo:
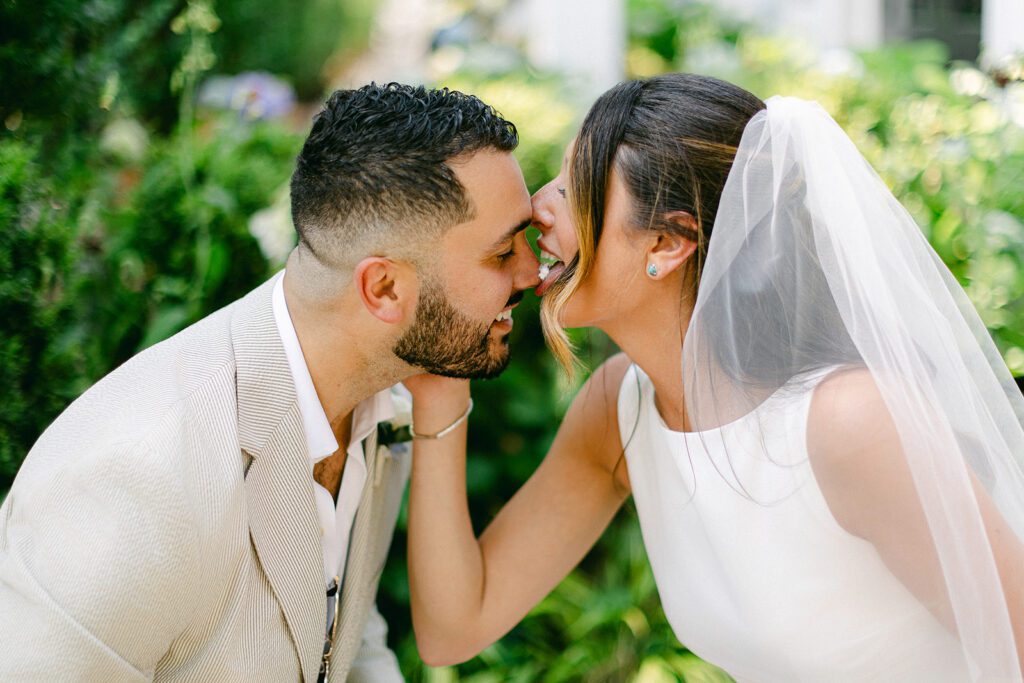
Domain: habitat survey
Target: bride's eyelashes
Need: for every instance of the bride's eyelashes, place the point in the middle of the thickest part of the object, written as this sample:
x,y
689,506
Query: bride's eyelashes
x,y
561,191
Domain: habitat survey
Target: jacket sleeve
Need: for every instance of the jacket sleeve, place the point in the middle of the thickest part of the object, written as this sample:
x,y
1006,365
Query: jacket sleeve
x,y
94,552
374,662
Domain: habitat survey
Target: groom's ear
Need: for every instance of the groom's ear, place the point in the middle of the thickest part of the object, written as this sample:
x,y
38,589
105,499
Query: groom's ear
x,y
387,288
672,247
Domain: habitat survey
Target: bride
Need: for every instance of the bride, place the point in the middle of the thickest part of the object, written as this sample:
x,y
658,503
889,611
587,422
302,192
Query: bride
x,y
824,447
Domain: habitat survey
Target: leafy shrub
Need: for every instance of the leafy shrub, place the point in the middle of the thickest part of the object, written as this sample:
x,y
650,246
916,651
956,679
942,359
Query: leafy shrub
x,y
120,256
63,65
178,247
112,242
38,368
300,38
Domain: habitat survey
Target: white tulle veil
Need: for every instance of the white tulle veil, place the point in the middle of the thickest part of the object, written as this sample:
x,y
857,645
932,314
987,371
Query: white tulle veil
x,y
813,264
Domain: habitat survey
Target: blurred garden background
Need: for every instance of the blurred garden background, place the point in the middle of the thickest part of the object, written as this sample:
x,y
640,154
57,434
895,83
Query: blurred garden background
x,y
146,148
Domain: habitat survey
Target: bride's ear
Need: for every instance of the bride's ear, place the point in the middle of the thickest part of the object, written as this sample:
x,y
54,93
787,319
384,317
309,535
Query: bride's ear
x,y
672,247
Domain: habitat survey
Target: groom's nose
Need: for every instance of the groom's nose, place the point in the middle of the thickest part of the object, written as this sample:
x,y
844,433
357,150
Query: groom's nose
x,y
527,266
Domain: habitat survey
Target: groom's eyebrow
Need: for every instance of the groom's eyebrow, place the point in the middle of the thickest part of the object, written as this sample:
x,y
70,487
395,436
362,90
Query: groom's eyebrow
x,y
512,232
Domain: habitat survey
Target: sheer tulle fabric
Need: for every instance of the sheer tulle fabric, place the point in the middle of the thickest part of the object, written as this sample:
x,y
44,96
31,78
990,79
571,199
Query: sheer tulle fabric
x,y
813,264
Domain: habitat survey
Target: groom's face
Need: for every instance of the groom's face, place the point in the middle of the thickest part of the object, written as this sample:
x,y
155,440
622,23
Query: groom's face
x,y
464,312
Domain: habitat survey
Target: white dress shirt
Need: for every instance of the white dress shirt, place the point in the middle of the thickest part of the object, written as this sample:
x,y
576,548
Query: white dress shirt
x,y
335,520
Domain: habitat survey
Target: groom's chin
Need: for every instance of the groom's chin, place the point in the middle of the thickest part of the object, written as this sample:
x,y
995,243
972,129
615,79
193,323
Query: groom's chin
x,y
489,370
493,373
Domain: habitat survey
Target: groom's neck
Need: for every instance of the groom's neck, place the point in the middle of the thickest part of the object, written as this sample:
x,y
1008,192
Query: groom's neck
x,y
348,360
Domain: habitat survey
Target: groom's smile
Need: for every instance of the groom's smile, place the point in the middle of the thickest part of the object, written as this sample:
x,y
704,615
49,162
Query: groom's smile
x,y
464,315
503,323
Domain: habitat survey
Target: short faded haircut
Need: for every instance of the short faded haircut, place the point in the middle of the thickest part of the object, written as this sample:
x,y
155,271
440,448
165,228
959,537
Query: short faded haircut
x,y
374,176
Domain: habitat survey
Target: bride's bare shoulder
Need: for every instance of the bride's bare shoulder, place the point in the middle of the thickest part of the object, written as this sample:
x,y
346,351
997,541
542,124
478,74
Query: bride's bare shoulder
x,y
854,448
592,418
847,413
607,378
598,397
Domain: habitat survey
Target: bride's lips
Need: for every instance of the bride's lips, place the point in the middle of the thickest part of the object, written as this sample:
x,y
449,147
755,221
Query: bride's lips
x,y
553,274
552,267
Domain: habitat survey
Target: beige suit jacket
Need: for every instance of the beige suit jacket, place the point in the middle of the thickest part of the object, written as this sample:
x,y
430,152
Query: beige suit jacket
x,y
164,526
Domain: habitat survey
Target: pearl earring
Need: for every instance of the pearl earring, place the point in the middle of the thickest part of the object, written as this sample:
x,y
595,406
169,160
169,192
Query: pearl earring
x,y
652,270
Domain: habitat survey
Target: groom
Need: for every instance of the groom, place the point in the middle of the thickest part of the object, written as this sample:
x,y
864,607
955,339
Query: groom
x,y
218,508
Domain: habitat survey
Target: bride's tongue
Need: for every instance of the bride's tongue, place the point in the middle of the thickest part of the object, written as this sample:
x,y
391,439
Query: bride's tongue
x,y
549,275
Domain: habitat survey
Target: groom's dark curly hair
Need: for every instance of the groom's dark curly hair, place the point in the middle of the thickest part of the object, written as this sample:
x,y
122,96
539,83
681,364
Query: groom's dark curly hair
x,y
375,171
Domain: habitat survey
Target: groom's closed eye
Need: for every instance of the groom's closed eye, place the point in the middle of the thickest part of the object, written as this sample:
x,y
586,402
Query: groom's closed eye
x,y
505,246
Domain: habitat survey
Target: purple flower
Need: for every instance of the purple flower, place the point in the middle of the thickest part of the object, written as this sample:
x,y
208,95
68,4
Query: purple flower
x,y
253,94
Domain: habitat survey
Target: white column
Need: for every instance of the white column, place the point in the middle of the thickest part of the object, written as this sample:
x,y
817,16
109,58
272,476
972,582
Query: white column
x,y
582,38
1002,29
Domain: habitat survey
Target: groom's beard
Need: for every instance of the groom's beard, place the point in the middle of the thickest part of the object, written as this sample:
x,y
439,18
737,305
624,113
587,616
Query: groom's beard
x,y
444,341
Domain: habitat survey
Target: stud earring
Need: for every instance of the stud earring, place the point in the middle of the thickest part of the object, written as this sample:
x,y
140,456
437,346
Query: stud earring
x,y
652,270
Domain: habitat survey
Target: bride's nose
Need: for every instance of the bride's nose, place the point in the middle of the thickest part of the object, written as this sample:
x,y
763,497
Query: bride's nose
x,y
543,212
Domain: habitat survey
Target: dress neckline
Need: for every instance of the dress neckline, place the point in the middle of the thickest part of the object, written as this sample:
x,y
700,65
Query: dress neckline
x,y
647,395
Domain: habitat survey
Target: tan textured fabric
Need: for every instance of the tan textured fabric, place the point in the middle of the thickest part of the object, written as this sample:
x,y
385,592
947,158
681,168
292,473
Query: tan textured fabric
x,y
164,525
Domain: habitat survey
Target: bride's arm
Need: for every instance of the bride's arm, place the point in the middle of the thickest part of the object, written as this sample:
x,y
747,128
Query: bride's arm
x,y
468,592
858,460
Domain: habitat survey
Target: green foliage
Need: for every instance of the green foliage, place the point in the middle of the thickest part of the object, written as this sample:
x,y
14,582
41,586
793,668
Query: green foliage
x,y
69,66
300,38
114,239
946,139
196,22
63,64
179,245
654,26
38,369
122,256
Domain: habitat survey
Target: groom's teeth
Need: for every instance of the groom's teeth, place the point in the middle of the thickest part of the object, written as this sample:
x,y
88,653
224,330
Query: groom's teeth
x,y
504,315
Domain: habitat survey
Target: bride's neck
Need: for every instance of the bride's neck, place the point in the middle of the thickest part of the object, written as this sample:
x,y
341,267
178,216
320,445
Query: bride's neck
x,y
653,339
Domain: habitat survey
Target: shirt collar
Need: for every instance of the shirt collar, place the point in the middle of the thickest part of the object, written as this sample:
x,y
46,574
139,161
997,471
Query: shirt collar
x,y
320,439
371,412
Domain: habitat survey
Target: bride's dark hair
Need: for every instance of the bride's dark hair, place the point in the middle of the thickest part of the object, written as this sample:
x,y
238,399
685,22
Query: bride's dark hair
x,y
672,138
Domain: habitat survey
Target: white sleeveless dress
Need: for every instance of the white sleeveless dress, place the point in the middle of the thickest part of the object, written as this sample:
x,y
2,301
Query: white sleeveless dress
x,y
754,573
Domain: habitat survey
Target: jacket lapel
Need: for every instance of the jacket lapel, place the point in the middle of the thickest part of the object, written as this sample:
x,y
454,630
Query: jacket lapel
x,y
279,488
